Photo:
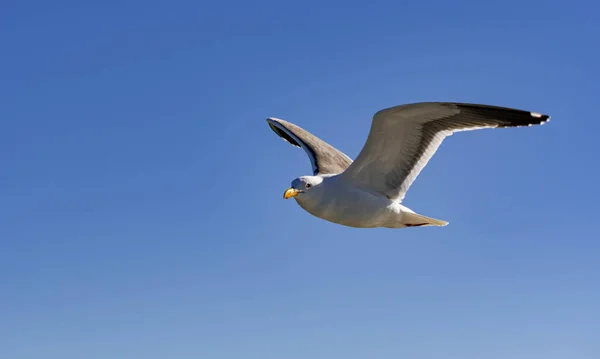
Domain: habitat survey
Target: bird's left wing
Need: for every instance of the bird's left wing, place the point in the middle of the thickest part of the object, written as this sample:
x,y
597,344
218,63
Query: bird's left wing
x,y
403,139
324,158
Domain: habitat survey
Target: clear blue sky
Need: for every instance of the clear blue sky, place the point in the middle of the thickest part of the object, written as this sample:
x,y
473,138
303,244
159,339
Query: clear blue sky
x,y
141,210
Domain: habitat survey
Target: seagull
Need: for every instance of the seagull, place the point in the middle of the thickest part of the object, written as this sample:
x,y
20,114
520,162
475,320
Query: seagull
x,y
368,192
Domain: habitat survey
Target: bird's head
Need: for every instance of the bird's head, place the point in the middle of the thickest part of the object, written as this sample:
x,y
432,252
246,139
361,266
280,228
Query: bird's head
x,y
302,186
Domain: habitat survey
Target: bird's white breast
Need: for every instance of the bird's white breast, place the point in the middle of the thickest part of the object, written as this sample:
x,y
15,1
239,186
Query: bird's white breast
x,y
337,202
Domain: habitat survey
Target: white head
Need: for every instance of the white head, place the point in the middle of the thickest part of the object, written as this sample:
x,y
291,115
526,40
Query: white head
x,y
303,186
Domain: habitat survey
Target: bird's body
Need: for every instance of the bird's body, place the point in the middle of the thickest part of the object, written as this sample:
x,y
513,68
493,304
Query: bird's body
x,y
337,202
341,203
367,192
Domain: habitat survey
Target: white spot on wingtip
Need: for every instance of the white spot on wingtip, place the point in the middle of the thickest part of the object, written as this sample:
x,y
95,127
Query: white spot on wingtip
x,y
536,115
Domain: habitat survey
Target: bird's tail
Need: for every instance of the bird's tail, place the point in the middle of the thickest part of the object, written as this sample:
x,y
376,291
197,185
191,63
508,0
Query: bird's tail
x,y
417,220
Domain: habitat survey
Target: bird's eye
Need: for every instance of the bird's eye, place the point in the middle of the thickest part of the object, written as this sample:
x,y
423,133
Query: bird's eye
x,y
308,185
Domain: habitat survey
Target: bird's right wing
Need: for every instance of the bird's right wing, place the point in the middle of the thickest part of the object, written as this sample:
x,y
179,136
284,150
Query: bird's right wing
x,y
324,158
403,139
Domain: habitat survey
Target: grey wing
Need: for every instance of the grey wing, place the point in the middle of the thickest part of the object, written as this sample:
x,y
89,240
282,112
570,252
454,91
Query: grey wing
x,y
324,158
403,139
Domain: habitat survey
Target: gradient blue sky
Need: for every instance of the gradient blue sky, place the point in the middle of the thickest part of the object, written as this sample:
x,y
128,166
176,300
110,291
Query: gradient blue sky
x,y
141,189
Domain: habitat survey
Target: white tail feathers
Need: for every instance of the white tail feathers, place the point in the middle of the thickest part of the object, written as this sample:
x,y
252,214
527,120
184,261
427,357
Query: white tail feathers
x,y
417,220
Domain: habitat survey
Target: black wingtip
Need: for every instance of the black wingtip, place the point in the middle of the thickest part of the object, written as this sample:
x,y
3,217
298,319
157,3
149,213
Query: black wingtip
x,y
540,118
535,118
508,117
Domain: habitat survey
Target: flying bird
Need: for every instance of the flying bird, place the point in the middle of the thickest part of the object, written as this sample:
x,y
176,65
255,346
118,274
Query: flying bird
x,y
368,192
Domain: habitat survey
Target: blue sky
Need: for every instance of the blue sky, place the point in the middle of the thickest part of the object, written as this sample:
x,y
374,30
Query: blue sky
x,y
141,188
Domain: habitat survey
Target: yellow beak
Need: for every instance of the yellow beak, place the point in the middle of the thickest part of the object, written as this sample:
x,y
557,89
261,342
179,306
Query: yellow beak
x,y
290,192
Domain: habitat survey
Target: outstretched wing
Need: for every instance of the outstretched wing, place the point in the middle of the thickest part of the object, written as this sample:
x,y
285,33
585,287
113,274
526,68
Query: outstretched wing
x,y
324,158
403,139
